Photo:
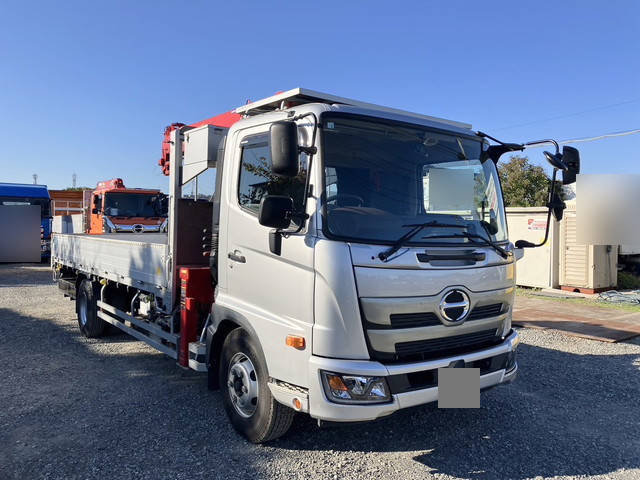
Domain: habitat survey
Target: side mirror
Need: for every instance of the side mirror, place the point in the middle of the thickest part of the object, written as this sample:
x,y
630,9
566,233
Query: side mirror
x,y
557,206
284,148
276,211
571,158
558,213
555,160
520,244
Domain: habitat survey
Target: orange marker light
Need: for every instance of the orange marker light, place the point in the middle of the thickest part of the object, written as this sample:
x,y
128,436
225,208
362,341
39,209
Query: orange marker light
x,y
295,342
336,383
297,404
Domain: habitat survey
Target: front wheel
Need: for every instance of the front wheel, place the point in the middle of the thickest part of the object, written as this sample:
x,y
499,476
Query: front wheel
x,y
253,411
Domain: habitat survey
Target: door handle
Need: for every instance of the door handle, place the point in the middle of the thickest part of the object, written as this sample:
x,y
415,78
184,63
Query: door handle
x,y
236,257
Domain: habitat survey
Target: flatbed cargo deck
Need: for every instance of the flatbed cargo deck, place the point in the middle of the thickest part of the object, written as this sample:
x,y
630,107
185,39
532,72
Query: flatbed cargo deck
x,y
135,260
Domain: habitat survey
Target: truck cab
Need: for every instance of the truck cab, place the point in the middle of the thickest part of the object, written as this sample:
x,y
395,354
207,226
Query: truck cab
x,y
385,323
115,209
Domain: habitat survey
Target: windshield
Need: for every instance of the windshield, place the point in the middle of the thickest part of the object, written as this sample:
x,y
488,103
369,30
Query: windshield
x,y
44,203
382,177
134,205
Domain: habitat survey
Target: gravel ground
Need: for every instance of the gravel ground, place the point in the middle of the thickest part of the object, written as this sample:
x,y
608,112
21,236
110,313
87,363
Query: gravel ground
x,y
114,408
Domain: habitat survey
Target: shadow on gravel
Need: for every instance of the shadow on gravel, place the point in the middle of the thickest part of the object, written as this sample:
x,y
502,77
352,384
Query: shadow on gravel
x,y
566,414
98,408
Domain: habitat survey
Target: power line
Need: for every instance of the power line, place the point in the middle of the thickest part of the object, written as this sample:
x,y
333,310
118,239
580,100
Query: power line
x,y
595,109
605,135
593,139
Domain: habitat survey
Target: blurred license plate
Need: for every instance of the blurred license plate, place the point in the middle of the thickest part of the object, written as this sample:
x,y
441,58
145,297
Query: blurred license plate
x,y
458,388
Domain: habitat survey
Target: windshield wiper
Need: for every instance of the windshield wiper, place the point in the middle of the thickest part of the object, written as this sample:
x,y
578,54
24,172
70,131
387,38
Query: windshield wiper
x,y
501,251
416,227
472,237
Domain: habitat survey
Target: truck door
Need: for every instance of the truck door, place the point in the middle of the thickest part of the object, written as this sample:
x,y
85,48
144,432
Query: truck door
x,y
95,225
274,293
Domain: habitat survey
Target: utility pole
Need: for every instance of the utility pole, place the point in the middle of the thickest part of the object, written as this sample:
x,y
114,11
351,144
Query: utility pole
x,y
73,180
35,178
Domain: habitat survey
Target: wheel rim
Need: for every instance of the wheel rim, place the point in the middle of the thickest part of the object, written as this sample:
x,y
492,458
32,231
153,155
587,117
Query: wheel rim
x,y
82,308
242,382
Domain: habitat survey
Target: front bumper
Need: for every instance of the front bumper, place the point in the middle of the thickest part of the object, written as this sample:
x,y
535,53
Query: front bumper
x,y
321,408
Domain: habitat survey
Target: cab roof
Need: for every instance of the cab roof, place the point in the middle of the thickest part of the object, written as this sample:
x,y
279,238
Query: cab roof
x,y
301,96
23,190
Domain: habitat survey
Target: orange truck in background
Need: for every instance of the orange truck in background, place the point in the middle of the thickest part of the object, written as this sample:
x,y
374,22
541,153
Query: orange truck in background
x,y
116,208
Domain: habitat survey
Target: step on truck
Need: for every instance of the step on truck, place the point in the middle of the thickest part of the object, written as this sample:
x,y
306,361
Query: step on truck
x,y
349,254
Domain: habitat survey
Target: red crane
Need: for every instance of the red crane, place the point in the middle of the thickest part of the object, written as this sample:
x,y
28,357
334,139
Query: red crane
x,y
225,120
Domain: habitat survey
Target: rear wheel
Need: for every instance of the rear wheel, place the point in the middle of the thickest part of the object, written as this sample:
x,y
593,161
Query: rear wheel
x,y
253,411
87,307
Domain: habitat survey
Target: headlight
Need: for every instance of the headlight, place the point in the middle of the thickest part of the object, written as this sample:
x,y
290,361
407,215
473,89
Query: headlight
x,y
345,388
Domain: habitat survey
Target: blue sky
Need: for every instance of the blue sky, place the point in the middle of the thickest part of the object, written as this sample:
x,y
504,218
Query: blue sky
x,y
87,87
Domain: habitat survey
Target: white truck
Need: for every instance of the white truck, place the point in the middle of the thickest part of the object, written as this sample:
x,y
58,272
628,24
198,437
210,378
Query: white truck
x,y
331,273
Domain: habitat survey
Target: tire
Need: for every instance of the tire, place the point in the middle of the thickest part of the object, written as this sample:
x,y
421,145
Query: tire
x,y
257,416
86,305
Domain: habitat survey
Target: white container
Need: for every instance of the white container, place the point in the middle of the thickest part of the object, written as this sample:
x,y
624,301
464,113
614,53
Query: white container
x,y
539,266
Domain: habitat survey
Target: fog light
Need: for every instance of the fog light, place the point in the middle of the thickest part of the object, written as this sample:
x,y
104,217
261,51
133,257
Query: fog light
x,y
344,388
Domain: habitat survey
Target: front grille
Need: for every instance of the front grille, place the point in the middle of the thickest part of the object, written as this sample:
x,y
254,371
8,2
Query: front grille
x,y
430,319
439,347
410,320
485,311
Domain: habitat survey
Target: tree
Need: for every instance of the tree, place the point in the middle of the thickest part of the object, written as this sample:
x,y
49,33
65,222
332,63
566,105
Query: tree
x,y
274,184
523,184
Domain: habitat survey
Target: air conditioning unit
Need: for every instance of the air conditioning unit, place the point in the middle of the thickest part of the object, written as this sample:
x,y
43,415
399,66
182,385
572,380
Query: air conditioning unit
x,y
585,268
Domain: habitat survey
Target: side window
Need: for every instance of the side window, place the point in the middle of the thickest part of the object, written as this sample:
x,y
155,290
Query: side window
x,y
257,180
97,203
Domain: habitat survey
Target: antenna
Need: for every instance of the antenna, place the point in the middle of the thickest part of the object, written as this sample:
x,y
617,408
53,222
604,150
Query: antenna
x,y
35,178
74,177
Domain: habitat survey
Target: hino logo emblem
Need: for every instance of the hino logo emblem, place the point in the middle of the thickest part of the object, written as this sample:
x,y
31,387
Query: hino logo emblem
x,y
138,228
454,307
